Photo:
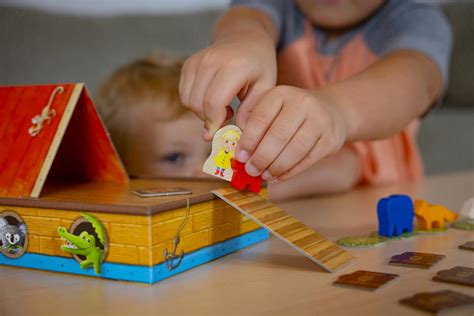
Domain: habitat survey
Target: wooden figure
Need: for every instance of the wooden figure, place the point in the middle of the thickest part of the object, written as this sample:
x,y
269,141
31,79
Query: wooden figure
x,y
242,180
467,209
432,216
222,164
223,147
395,215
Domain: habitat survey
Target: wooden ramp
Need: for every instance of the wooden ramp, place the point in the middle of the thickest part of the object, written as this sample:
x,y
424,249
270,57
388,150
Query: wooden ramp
x,y
312,245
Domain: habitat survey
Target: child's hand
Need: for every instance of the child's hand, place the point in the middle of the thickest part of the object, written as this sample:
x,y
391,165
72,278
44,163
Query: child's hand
x,y
243,66
289,130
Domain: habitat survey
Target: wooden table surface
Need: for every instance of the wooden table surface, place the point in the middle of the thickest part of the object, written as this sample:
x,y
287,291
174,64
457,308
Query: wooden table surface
x,y
269,278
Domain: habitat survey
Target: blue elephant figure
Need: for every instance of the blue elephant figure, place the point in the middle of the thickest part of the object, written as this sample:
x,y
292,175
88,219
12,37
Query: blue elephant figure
x,y
395,214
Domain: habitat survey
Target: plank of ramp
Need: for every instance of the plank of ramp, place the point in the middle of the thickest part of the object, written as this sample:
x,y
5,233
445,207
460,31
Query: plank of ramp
x,y
312,245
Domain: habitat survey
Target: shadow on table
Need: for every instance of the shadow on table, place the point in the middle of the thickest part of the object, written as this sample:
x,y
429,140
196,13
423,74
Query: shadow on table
x,y
286,261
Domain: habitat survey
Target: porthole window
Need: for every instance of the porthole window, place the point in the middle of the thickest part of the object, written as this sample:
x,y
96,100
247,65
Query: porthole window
x,y
13,234
81,225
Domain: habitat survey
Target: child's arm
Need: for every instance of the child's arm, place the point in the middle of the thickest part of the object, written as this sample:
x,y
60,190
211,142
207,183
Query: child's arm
x,y
291,129
241,61
385,98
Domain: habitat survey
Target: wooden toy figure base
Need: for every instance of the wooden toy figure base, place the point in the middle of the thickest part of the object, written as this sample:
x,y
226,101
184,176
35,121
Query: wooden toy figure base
x,y
241,179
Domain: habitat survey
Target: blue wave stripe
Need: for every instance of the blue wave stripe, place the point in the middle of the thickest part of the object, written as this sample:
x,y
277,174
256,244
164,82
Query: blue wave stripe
x,y
138,273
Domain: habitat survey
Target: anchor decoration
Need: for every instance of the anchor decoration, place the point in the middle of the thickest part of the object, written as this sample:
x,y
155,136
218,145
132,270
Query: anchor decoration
x,y
46,114
172,260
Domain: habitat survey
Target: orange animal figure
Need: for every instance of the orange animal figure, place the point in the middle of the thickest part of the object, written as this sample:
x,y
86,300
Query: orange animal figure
x,y
432,216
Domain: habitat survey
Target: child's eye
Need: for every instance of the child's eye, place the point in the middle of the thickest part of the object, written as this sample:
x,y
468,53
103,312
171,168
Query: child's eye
x,y
173,158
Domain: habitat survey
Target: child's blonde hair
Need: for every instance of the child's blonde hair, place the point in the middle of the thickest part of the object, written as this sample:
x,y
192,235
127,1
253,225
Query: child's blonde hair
x,y
132,86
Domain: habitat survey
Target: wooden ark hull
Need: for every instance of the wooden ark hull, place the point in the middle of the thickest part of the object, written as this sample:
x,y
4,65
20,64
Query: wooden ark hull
x,y
137,230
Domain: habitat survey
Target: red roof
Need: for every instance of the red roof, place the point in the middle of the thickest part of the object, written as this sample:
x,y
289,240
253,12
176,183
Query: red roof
x,y
52,131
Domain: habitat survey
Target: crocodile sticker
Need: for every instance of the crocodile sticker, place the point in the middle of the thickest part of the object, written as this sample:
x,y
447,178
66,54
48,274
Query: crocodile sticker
x,y
86,241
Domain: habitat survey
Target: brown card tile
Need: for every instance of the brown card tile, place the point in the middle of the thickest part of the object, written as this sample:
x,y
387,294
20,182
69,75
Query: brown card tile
x,y
456,275
415,260
287,228
468,245
435,302
367,280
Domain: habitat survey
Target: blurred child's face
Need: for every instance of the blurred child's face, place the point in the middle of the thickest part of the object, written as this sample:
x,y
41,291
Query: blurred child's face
x,y
337,14
166,148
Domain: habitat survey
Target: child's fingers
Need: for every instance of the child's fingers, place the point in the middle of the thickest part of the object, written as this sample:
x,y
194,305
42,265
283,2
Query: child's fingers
x,y
219,94
205,73
298,147
319,151
186,81
248,103
259,121
277,137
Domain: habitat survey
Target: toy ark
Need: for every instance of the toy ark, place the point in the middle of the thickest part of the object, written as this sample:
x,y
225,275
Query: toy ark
x,y
67,205
106,231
